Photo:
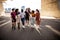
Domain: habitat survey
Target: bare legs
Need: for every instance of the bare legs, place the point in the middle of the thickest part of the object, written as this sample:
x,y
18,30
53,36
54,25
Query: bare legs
x,y
13,25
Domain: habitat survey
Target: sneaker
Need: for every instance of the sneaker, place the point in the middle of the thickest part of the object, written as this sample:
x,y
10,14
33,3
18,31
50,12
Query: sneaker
x,y
35,25
23,26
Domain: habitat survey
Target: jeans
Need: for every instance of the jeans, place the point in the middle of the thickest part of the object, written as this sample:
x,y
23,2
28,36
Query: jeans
x,y
23,20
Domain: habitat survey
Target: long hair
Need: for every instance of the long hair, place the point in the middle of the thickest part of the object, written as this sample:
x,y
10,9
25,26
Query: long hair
x,y
37,10
16,11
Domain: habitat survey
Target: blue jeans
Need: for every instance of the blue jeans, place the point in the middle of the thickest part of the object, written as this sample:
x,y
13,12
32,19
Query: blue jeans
x,y
23,20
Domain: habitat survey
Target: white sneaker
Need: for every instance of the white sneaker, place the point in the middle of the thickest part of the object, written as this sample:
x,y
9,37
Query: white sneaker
x,y
23,26
35,25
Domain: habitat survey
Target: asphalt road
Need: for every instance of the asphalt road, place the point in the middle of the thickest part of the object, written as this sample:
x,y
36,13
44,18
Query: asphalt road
x,y
49,30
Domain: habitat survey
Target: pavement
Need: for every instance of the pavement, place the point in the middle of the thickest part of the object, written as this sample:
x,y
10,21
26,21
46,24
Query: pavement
x,y
49,30
4,19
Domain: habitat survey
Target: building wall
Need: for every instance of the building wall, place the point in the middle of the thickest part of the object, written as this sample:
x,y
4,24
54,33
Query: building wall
x,y
50,8
2,0
1,6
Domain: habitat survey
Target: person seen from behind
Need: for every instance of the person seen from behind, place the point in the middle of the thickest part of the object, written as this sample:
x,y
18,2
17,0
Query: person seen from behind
x,y
37,18
18,17
27,16
32,18
22,15
13,17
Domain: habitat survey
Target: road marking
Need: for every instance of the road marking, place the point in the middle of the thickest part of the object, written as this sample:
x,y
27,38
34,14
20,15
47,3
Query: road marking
x,y
5,23
2,21
57,32
37,29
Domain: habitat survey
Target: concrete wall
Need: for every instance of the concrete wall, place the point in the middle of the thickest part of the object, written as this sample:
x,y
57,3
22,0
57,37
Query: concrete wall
x,y
1,6
2,0
50,8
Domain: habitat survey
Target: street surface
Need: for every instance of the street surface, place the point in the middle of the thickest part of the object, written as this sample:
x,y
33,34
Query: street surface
x,y
49,30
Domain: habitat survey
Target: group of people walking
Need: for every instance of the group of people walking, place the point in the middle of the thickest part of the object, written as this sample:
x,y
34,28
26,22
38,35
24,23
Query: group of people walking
x,y
25,18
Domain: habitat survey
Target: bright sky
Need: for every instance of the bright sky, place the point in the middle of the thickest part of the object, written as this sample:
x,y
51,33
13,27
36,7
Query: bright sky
x,y
33,4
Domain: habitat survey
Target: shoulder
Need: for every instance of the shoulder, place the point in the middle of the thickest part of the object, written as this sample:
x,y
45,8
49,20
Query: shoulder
x,y
11,13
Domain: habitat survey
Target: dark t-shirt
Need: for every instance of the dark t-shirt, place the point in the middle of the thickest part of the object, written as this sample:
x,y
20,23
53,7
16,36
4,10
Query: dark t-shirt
x,y
13,14
26,14
17,13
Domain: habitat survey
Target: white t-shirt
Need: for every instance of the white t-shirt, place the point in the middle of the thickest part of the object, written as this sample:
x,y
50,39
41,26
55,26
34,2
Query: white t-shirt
x,y
22,14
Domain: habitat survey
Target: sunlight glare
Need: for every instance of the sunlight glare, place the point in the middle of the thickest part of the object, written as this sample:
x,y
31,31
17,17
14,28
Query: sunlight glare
x,y
33,4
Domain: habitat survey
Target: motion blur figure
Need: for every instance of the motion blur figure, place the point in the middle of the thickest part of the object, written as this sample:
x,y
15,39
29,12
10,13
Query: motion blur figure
x,y
13,17
32,18
22,15
18,17
37,18
27,15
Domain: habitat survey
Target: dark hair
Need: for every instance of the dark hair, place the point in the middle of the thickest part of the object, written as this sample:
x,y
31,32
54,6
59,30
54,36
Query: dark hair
x,y
16,11
13,9
33,11
37,10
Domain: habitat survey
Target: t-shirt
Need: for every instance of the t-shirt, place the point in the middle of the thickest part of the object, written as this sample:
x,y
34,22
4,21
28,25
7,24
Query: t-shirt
x,y
22,14
13,14
27,14
33,15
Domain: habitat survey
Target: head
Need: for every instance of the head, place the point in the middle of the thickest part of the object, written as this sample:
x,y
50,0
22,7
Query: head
x,y
16,10
33,11
13,9
37,11
29,9
21,10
